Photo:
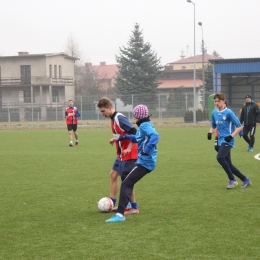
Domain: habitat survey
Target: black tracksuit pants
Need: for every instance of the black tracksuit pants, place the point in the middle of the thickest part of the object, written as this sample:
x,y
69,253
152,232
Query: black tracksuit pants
x,y
129,177
251,130
224,159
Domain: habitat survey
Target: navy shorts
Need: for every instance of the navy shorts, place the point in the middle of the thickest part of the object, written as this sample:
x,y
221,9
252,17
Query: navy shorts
x,y
119,165
72,127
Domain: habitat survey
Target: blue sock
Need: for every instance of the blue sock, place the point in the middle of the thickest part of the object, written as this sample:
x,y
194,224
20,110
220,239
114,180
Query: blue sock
x,y
114,200
134,205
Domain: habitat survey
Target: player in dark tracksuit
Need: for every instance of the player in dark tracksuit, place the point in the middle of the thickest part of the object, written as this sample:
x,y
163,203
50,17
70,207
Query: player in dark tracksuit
x,y
146,137
249,116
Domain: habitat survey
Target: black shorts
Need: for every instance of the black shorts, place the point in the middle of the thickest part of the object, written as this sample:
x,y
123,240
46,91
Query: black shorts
x,y
72,127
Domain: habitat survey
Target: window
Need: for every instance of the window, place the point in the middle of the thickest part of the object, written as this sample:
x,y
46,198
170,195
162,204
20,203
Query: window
x,y
55,95
60,71
27,96
25,74
183,67
50,70
55,71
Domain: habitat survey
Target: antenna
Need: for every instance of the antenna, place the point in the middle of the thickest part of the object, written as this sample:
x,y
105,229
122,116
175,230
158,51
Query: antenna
x,y
182,54
187,50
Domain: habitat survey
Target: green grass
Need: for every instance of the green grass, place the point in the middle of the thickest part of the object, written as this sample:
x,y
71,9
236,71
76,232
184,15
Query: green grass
x,y
49,192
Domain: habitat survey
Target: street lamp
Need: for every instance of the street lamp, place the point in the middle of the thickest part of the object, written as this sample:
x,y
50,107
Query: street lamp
x,y
194,69
203,70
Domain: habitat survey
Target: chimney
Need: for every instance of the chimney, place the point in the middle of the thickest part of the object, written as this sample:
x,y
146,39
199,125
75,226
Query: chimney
x,y
102,63
88,64
20,53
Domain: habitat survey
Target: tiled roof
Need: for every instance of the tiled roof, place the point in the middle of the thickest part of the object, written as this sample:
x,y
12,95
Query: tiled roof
x,y
104,71
176,83
199,58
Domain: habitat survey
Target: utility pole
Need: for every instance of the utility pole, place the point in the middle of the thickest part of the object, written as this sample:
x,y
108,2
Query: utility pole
x,y
203,70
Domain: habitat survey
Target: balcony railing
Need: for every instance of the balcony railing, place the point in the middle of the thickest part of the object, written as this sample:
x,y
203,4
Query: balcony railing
x,y
36,80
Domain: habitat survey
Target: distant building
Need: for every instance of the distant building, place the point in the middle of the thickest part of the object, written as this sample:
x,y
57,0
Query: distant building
x,y
38,80
105,74
181,74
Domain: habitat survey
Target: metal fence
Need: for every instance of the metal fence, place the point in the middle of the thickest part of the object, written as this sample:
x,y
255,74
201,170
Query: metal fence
x,y
159,106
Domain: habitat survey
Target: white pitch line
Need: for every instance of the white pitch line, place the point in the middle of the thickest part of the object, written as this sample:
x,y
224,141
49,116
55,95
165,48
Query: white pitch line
x,y
257,156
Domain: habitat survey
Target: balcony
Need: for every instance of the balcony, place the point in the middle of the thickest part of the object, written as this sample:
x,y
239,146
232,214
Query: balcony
x,y
35,80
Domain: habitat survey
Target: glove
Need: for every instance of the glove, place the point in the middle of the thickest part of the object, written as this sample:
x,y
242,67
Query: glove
x,y
209,136
241,133
145,154
121,138
228,138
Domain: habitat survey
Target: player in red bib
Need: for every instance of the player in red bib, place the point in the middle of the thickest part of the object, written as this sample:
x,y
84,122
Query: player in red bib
x,y
126,150
71,115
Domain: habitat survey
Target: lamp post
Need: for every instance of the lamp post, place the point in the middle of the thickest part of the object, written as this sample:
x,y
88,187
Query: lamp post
x,y
203,70
194,69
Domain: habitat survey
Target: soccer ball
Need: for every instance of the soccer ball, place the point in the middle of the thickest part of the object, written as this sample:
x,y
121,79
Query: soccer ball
x,y
105,204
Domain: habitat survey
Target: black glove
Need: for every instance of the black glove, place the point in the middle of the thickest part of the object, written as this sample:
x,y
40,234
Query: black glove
x,y
209,136
145,154
228,138
121,138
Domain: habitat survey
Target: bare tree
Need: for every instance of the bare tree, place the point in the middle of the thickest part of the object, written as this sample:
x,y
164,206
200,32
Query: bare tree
x,y
72,48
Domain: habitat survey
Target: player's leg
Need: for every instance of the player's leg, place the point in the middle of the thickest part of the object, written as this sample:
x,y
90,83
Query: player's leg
x,y
130,176
223,158
132,204
245,135
236,172
113,185
114,180
70,134
76,134
252,137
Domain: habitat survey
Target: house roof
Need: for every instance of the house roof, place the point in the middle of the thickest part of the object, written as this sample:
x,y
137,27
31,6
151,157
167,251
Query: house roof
x,y
235,60
103,70
198,58
176,83
26,54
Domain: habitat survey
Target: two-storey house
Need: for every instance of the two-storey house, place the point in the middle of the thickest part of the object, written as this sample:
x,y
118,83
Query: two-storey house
x,y
36,82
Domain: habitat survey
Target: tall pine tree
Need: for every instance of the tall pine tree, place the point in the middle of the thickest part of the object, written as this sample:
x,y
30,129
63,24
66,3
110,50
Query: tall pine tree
x,y
139,70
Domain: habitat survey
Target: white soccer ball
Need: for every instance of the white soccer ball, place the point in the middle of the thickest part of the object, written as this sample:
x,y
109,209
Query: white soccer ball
x,y
105,204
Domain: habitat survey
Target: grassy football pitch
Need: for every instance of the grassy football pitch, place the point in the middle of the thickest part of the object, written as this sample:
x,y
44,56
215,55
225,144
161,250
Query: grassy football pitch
x,y
49,191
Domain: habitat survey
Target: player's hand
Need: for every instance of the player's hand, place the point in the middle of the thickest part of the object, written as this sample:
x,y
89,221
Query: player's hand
x,y
241,133
112,141
126,151
145,154
209,136
228,138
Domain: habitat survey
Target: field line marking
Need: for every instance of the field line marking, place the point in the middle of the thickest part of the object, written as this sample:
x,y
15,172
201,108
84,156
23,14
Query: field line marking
x,y
257,156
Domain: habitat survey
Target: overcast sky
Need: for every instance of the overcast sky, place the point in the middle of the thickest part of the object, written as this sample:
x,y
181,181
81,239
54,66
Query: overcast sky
x,y
230,27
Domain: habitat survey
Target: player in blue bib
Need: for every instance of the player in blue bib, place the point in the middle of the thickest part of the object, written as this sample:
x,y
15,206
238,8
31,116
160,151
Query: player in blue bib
x,y
228,127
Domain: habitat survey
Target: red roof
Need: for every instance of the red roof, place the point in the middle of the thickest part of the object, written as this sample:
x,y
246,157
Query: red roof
x,y
104,71
176,83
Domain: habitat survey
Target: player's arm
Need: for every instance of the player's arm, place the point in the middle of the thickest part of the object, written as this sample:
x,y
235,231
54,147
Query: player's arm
x,y
241,119
66,114
77,114
130,137
238,129
153,140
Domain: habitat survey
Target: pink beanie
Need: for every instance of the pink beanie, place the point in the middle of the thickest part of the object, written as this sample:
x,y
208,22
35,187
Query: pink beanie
x,y
140,111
